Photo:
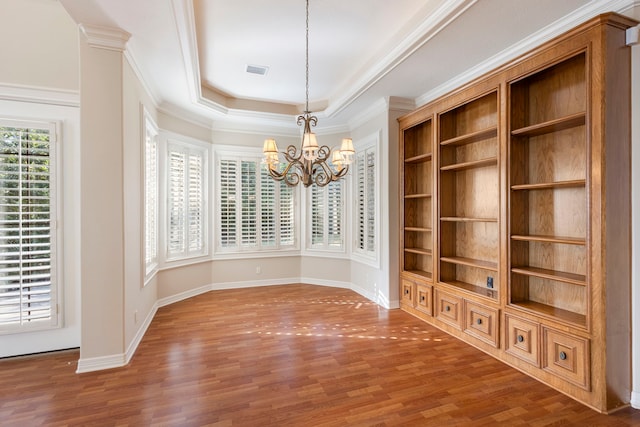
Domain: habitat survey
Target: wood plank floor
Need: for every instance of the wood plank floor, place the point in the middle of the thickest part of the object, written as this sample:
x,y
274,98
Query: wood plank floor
x,y
294,355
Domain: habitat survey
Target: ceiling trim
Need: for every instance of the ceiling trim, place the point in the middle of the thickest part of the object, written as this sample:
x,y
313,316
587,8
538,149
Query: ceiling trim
x,y
433,25
556,28
105,38
185,24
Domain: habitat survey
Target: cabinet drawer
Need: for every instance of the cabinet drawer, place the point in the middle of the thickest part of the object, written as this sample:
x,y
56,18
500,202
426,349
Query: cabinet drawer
x,y
566,356
522,337
449,308
424,299
407,292
481,322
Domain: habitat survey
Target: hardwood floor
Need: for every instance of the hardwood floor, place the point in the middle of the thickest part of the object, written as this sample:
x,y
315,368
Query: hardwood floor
x,y
294,355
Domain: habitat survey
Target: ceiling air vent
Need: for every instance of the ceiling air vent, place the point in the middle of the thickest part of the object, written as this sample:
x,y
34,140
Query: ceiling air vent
x,y
257,69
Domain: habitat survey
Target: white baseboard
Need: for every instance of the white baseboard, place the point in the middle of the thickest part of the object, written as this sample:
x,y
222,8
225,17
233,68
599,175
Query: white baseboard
x,y
133,345
92,364
635,399
183,295
253,283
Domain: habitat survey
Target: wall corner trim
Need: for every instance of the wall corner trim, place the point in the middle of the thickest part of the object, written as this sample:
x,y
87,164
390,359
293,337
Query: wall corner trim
x,y
633,35
635,399
92,364
106,38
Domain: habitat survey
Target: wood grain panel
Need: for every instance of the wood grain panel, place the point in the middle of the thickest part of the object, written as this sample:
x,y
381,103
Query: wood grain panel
x,y
292,355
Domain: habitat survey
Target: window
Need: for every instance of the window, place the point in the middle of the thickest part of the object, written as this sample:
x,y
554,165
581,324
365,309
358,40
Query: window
x,y
150,195
365,179
326,215
186,174
28,281
255,212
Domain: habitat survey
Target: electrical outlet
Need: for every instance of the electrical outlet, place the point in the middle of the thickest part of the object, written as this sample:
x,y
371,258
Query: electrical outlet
x,y
489,282
135,317
258,270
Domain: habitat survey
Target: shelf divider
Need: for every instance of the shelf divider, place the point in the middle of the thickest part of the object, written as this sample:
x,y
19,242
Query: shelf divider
x,y
469,262
549,185
559,276
550,239
469,138
490,161
419,158
555,125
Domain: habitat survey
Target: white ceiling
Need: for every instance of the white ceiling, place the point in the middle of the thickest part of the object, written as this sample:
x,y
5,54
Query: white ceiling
x,y
192,54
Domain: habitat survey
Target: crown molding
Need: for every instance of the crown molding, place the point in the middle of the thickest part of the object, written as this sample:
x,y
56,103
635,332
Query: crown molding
x,y
105,38
556,28
40,95
433,25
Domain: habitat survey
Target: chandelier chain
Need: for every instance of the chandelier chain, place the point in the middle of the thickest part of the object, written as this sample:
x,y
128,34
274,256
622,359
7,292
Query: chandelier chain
x,y
307,61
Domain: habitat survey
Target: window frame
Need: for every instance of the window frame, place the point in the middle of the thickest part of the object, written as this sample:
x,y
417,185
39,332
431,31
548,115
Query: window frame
x,y
324,248
362,147
56,319
186,145
254,155
150,134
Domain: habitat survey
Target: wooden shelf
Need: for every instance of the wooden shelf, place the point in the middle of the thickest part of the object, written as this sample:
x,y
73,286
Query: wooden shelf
x,y
555,125
559,276
419,229
472,137
417,196
418,159
490,161
469,262
479,290
550,239
557,313
419,251
467,219
420,273
550,185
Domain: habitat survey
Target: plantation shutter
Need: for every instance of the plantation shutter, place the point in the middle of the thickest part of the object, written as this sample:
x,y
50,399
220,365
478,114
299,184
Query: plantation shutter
x,y
27,226
186,233
176,199
371,200
263,217
287,215
317,215
334,217
227,223
151,197
268,209
196,203
361,200
249,206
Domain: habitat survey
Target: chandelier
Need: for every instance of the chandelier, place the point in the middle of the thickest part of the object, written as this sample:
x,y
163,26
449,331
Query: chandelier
x,y
312,164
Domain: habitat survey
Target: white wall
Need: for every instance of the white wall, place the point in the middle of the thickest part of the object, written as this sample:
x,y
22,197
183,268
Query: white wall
x,y
39,80
39,45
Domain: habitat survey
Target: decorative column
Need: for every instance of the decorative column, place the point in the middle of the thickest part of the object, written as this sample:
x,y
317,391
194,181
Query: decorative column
x,y
102,198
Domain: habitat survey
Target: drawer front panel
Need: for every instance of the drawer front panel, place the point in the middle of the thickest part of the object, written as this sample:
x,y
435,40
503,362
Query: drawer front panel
x,y
566,356
449,308
522,339
481,322
424,299
407,292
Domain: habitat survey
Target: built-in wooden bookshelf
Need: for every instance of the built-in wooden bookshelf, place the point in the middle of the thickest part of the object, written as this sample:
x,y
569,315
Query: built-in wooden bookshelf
x,y
548,177
418,200
515,223
469,196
